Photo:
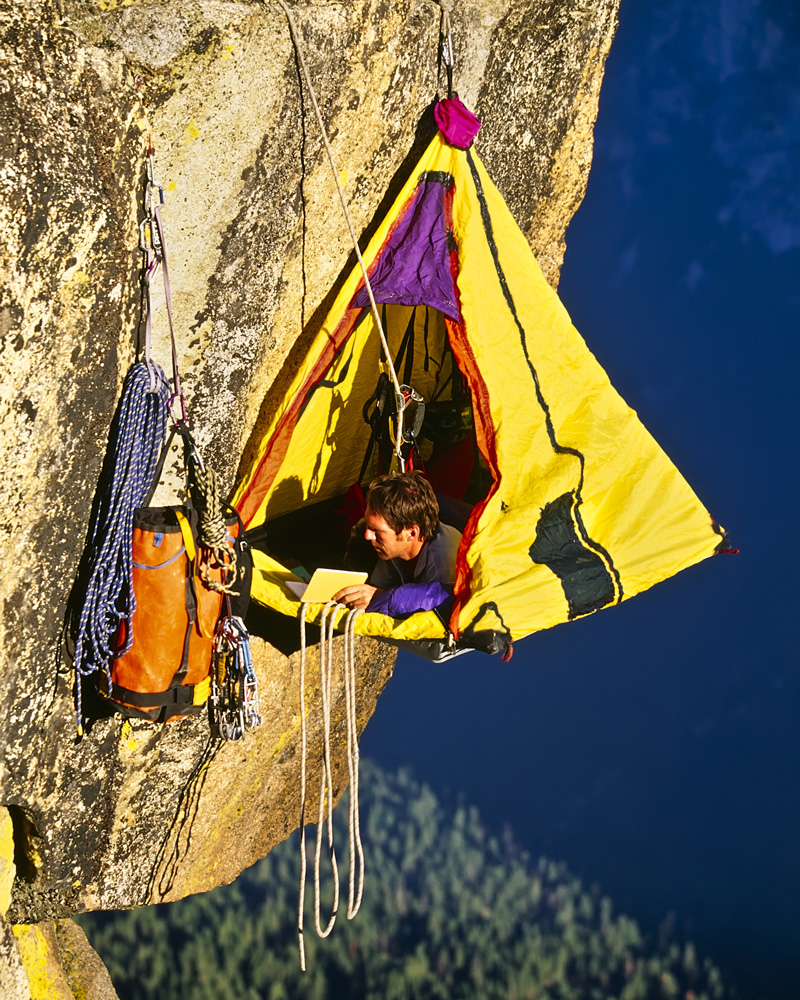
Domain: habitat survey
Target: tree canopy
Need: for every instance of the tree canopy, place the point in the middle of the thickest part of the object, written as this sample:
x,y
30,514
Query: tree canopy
x,y
449,911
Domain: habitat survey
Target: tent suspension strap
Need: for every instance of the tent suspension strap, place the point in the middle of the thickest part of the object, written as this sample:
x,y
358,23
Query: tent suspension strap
x,y
400,399
447,43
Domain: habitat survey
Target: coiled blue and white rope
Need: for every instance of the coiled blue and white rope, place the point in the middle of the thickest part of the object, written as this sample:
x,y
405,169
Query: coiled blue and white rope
x,y
134,452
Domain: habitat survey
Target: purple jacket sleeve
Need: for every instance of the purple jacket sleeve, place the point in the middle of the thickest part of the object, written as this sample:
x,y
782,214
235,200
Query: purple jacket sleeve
x,y
407,598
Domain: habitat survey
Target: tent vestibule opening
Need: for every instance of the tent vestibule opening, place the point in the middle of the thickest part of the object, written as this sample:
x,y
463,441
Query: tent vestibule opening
x,y
305,530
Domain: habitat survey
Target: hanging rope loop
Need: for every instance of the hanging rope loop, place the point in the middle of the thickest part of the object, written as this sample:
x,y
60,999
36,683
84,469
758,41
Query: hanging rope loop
x,y
326,778
356,849
303,754
354,822
153,245
373,305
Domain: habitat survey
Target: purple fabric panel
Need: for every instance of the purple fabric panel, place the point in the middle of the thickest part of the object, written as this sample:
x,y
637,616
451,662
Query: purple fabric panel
x,y
407,598
414,269
457,124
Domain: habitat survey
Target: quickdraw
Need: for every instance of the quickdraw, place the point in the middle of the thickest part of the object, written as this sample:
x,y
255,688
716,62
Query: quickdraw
x,y
234,687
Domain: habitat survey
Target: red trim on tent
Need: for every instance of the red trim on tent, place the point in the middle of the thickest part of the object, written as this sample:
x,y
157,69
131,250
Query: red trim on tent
x,y
269,466
484,430
484,433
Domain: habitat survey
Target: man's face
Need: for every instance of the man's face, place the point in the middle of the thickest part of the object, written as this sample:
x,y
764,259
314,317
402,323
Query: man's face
x,y
388,543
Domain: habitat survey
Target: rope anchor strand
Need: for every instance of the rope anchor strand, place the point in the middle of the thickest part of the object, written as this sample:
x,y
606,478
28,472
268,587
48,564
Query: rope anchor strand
x,y
367,284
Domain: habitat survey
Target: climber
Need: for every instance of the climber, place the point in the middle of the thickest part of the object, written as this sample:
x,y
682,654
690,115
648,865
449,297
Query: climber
x,y
416,551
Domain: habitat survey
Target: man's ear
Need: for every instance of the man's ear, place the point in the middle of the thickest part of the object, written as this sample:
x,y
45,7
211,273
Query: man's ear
x,y
413,532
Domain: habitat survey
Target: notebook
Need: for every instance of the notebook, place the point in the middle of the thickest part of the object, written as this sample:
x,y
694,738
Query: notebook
x,y
324,584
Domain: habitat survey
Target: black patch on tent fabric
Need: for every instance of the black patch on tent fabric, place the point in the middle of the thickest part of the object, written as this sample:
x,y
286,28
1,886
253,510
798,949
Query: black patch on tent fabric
x,y
584,576
559,449
437,177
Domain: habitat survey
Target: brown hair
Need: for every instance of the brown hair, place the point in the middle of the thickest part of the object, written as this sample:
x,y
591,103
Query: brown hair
x,y
404,499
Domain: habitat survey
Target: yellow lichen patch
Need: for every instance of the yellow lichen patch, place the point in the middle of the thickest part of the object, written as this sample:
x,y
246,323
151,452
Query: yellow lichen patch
x,y
286,738
77,286
33,853
344,177
7,866
191,132
227,52
38,953
126,739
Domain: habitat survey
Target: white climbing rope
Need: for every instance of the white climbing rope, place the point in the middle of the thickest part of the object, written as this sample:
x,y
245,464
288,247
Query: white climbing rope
x,y
303,751
399,398
354,824
356,849
326,781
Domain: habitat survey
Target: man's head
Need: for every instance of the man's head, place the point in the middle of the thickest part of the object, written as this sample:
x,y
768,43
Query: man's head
x,y
402,514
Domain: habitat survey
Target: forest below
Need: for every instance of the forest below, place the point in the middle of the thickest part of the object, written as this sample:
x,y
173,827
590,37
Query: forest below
x,y
449,911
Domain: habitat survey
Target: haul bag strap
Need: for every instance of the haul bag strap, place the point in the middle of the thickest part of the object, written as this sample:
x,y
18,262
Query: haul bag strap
x,y
186,694
186,532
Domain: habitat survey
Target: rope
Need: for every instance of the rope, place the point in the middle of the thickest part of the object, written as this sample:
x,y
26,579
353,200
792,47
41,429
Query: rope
x,y
134,450
326,781
375,314
354,824
153,244
203,481
213,533
356,849
303,748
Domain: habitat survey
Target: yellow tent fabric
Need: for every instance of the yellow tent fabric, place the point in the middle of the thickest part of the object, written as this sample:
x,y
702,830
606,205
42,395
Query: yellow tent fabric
x,y
584,508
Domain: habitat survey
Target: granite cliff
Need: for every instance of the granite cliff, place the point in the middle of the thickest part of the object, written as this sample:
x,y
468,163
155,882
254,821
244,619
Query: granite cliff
x,y
136,813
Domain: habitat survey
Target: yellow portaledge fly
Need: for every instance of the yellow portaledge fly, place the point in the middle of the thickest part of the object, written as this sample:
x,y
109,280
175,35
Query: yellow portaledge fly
x,y
574,506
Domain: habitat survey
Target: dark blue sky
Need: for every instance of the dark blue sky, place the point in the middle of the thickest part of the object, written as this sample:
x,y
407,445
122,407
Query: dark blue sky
x,y
654,746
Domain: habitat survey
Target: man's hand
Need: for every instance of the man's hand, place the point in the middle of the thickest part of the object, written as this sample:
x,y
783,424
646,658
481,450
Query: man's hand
x,y
357,597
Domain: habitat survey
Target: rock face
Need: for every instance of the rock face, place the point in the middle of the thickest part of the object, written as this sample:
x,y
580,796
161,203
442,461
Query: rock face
x,y
136,813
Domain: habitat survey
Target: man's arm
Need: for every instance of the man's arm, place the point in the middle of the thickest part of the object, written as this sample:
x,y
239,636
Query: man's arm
x,y
408,598
358,597
396,602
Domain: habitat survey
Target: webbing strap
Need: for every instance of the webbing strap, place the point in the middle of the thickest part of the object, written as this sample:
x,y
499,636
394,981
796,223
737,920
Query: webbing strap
x,y
153,245
179,695
168,302
160,467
